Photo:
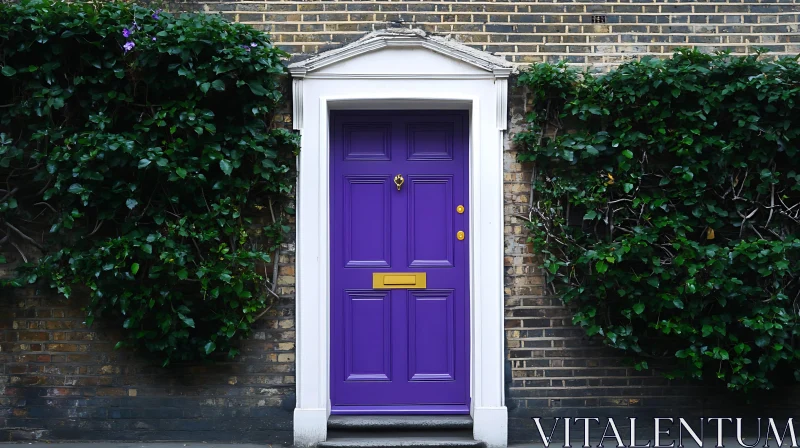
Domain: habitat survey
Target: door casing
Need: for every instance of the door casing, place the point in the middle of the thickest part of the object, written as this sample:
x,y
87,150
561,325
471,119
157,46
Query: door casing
x,y
397,70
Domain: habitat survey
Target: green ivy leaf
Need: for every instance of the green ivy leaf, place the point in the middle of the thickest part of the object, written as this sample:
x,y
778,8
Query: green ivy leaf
x,y
226,167
257,88
8,71
186,320
134,268
218,85
210,347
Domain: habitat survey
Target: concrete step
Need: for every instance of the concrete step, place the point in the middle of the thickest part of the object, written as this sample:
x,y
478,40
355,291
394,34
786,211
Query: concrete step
x,y
395,422
399,431
402,442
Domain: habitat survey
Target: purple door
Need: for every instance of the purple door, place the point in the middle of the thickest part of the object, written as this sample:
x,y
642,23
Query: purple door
x,y
399,273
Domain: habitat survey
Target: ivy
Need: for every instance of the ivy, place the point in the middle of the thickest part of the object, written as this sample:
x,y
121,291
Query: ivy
x,y
138,159
666,209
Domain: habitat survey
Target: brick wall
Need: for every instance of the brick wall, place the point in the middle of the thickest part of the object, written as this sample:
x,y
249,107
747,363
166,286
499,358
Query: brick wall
x,y
596,33
60,380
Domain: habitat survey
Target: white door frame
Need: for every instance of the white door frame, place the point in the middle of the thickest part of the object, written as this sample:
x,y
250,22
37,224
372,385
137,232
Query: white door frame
x,y
401,69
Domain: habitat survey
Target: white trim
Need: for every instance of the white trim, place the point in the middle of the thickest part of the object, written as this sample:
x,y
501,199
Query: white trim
x,y
310,426
408,38
477,86
502,103
402,76
491,425
297,104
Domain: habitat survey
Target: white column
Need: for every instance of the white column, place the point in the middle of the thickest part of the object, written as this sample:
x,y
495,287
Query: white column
x,y
489,413
311,319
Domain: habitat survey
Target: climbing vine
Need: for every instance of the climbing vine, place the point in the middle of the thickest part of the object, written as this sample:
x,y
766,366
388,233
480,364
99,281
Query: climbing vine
x,y
140,165
666,208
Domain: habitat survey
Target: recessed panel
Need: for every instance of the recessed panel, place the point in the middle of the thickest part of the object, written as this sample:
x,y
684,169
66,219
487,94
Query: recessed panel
x,y
431,334
367,343
430,141
368,141
430,221
367,223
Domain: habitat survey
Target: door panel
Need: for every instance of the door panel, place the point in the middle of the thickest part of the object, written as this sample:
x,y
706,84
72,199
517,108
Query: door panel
x,y
430,221
430,141
367,341
367,141
431,336
393,349
367,230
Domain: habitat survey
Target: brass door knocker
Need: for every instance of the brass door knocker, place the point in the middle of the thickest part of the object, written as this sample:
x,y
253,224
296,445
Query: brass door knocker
x,y
398,180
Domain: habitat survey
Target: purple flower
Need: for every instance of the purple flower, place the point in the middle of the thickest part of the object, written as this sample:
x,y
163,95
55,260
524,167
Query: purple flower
x,y
253,44
128,46
155,14
154,39
126,33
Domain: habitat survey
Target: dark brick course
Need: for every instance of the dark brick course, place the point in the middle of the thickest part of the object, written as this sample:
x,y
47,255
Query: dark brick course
x,y
508,21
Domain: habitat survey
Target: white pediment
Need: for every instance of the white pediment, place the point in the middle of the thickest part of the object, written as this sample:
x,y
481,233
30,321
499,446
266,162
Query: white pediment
x,y
398,52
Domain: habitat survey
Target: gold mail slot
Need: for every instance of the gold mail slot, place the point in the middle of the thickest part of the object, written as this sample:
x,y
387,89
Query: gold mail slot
x,y
399,280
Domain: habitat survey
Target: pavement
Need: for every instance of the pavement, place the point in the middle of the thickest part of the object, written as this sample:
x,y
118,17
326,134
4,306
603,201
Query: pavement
x,y
90,444
707,443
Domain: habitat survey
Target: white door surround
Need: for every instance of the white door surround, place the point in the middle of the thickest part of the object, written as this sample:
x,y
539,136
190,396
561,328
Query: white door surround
x,y
401,69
